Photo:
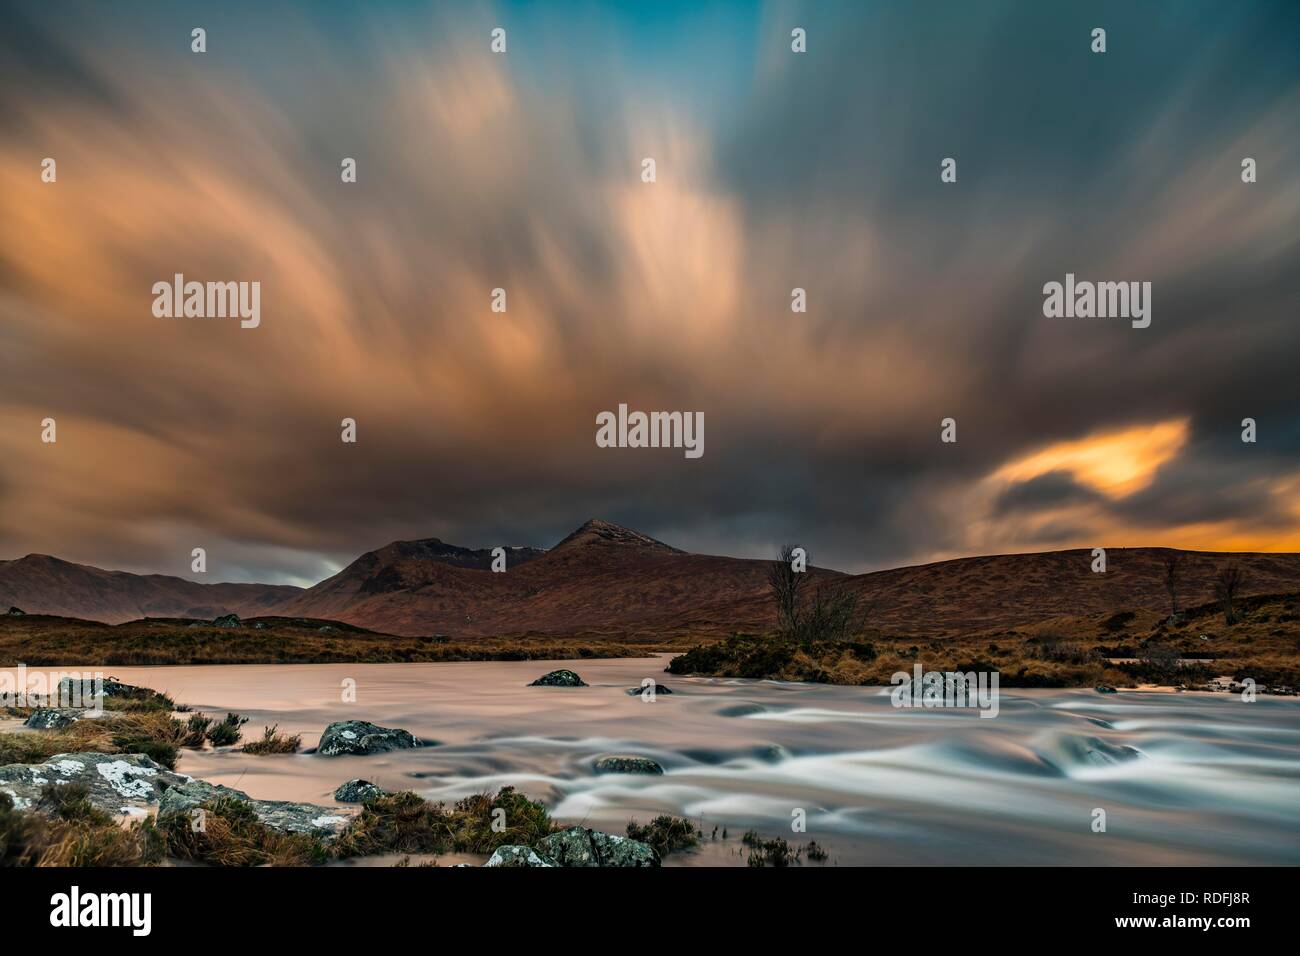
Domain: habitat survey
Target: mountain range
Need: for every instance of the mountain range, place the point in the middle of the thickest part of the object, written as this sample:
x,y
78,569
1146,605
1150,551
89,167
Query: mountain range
x,y
607,580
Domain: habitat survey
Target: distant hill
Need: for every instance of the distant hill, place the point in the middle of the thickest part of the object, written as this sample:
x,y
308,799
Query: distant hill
x,y
604,580
601,579
40,584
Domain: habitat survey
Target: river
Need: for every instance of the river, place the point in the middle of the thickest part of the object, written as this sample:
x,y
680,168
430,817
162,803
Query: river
x,y
1182,778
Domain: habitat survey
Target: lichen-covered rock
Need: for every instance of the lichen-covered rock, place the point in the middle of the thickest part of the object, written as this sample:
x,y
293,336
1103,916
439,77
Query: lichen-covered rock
x,y
76,690
560,678
514,855
362,737
52,718
358,791
116,783
627,763
655,689
227,620
581,846
283,815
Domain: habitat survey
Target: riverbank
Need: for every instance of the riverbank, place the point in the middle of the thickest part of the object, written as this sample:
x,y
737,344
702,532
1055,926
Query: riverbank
x,y
44,641
1185,778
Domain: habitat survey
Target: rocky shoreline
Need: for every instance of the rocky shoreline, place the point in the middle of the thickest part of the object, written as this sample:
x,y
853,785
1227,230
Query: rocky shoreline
x,y
135,795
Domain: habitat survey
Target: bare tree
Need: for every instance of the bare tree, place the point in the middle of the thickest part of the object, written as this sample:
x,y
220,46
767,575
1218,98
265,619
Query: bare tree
x,y
1173,580
829,610
1227,587
786,585
1161,662
834,613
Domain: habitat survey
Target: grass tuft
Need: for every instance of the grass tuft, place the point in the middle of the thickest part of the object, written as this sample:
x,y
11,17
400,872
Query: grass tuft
x,y
69,831
273,742
667,834
228,833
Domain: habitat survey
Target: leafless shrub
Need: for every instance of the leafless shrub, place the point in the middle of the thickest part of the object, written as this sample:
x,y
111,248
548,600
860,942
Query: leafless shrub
x,y
1227,587
1173,562
786,586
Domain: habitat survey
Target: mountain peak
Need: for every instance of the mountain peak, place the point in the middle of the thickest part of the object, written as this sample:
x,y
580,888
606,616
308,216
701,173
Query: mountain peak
x,y
598,531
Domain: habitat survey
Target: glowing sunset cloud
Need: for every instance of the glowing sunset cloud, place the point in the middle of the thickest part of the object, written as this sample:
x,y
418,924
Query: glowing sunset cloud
x,y
1115,463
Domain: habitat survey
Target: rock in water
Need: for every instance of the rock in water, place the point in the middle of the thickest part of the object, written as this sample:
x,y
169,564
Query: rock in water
x,y
16,612
656,689
52,718
1105,689
560,678
84,689
358,791
362,737
514,855
227,620
118,783
580,846
627,763
282,815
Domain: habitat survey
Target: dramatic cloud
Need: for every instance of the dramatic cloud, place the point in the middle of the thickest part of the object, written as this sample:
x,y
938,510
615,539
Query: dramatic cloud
x,y
522,172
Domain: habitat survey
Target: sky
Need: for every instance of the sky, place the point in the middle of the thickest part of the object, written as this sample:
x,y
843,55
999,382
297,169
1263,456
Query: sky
x,y
775,170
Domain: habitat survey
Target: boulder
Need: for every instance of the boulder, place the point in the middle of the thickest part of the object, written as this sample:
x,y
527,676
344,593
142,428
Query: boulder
x,y
771,753
52,718
560,678
1106,689
282,815
227,620
16,612
362,737
627,763
741,710
514,855
657,688
581,846
358,791
83,689
117,783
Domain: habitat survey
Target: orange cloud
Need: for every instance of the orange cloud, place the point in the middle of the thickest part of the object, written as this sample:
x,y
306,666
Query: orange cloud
x,y
1115,463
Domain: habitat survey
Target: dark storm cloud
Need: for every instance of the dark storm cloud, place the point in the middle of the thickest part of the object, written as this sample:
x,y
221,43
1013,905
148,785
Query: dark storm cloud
x,y
1052,490
775,171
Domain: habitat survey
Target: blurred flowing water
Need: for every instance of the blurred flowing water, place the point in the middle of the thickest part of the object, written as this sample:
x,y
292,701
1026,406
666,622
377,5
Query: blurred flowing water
x,y
1183,778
